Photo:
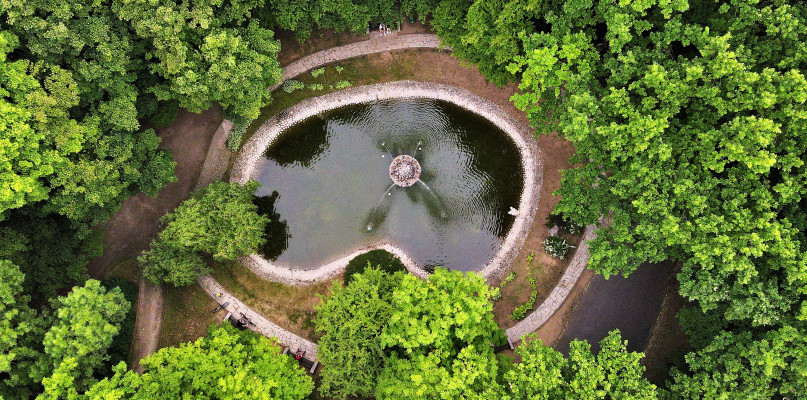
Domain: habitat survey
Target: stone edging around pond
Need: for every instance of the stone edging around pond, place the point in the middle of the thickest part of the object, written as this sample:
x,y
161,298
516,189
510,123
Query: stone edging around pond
x,y
521,135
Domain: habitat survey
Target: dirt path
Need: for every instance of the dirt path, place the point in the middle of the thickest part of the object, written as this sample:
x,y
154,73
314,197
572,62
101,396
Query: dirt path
x,y
132,228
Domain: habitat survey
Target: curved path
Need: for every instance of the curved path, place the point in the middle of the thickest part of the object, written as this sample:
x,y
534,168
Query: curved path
x,y
375,45
523,137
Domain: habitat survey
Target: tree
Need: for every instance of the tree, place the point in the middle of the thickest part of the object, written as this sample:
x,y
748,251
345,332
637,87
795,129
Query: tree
x,y
303,16
738,365
17,323
689,138
206,51
440,336
351,319
226,364
220,220
86,321
614,373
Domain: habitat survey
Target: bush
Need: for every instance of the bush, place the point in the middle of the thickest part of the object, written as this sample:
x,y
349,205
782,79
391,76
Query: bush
x,y
237,133
382,259
566,224
316,86
292,85
317,72
339,69
556,246
343,84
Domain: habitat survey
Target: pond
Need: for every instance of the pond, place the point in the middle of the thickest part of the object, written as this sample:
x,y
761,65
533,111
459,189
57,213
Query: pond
x,y
327,184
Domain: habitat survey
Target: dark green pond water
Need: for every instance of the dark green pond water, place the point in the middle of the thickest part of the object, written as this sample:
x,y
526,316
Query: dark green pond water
x,y
324,182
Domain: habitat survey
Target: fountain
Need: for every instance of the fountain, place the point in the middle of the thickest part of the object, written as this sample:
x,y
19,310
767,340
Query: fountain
x,y
404,170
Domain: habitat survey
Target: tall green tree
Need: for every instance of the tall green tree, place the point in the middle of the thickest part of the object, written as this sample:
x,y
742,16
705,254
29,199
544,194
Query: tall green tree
x,y
739,365
206,51
352,319
440,337
226,364
86,321
613,373
17,324
220,220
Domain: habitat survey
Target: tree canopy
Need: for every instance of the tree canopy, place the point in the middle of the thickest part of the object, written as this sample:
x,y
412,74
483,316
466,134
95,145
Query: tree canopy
x,y
220,220
226,364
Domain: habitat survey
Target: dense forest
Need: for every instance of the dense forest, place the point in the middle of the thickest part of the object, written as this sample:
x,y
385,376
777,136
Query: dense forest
x,y
690,127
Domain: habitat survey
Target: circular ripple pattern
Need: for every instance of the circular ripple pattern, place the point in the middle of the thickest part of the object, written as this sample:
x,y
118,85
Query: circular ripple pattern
x,y
404,170
329,181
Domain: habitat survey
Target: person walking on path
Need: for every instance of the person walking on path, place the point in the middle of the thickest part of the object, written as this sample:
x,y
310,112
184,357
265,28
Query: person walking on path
x,y
381,29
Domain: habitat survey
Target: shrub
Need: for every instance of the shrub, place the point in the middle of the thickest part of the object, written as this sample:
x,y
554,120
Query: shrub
x,y
382,259
317,72
507,279
556,246
339,69
342,84
237,133
316,86
292,85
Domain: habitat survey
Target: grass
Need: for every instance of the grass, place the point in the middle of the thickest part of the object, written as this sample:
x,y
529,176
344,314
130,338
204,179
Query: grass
x,y
291,307
187,315
357,71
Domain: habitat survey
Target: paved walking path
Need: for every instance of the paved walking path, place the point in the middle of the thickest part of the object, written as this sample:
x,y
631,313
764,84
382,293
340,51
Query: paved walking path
x,y
628,304
375,45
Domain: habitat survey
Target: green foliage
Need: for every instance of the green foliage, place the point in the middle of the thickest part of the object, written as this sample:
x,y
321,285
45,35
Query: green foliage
x,y
17,322
339,69
226,364
440,335
556,246
75,346
303,16
317,72
544,373
381,259
343,84
292,85
735,365
521,311
237,132
220,220
351,320
507,279
316,86
122,342
205,52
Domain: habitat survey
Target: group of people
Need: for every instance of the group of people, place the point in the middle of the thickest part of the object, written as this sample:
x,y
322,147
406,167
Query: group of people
x,y
384,30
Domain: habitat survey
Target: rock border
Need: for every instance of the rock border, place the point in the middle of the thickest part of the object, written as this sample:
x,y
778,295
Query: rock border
x,y
244,167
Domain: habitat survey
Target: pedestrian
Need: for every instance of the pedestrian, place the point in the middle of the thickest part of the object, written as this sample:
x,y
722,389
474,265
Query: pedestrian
x,y
381,29
389,31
